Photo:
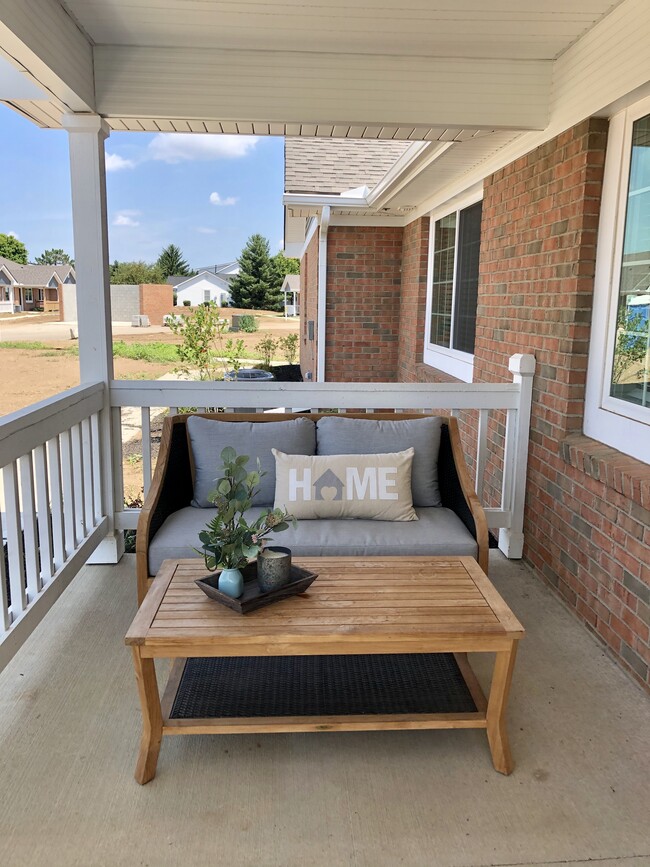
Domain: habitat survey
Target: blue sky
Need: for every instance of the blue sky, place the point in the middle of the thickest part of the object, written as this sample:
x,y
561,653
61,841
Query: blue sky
x,y
207,194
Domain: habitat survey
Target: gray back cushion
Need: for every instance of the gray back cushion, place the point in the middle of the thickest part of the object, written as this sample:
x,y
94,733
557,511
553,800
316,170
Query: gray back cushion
x,y
208,437
352,436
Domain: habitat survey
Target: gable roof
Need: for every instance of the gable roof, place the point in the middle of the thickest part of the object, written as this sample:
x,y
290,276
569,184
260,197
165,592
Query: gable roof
x,y
291,283
217,281
35,275
332,166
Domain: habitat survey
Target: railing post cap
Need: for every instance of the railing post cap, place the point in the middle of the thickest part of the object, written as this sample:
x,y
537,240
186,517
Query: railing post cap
x,y
524,365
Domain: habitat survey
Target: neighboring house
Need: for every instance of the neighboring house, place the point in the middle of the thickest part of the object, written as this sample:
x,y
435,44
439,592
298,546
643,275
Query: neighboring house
x,y
227,270
128,301
291,290
440,260
30,287
204,286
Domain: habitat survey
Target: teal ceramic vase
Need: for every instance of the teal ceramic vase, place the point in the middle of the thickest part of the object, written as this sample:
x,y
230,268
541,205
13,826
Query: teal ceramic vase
x,y
231,582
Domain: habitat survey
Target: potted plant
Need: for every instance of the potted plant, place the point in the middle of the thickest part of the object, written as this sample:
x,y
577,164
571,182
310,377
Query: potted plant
x,y
229,540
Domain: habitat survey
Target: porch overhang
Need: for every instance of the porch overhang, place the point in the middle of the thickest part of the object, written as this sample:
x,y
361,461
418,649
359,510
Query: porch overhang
x,y
374,72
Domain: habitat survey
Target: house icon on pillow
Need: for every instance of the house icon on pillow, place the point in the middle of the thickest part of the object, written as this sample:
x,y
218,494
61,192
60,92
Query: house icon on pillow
x,y
328,480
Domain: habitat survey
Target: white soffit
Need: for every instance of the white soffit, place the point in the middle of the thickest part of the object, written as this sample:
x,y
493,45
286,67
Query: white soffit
x,y
516,29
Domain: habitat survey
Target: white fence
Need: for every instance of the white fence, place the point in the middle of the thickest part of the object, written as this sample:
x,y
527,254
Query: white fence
x,y
512,397
51,516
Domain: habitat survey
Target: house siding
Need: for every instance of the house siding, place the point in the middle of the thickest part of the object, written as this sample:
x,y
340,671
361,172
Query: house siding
x,y
363,303
309,309
587,517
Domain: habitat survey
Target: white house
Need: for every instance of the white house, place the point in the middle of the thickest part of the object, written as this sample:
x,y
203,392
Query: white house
x,y
204,286
291,290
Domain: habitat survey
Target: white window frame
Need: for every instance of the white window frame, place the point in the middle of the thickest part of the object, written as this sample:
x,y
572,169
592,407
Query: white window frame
x,y
29,300
608,419
207,295
451,361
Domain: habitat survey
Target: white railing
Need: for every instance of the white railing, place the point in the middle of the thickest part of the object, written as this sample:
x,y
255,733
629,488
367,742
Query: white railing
x,y
51,505
133,402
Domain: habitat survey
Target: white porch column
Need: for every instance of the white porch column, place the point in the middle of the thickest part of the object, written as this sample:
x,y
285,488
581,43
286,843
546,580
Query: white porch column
x,y
87,133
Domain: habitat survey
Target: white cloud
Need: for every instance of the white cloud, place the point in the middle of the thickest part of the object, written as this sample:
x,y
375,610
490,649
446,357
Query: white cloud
x,y
281,244
115,163
215,199
182,147
13,235
204,230
126,218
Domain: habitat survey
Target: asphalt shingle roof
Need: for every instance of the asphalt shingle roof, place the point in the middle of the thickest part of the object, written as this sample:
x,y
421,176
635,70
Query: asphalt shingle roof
x,y
35,275
332,166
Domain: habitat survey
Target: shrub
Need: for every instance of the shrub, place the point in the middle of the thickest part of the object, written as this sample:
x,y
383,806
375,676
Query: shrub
x,y
266,348
289,347
248,323
187,303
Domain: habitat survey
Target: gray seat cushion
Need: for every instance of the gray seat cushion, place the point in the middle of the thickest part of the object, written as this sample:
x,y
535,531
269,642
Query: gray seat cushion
x,y
358,436
439,532
209,437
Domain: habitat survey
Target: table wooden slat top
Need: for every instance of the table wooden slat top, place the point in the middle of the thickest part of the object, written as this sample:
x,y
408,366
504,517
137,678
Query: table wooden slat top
x,y
358,605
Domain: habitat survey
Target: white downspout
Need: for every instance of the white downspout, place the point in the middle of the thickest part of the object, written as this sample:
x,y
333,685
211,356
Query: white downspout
x,y
322,292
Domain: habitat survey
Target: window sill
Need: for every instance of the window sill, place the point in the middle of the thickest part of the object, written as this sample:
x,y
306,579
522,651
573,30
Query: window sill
x,y
457,364
624,474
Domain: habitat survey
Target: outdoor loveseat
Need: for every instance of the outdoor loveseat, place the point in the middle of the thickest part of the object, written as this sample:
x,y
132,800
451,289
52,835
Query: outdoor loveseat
x,y
451,521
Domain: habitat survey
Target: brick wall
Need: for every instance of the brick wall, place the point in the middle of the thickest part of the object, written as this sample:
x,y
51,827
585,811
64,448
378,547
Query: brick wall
x,y
363,303
156,300
309,308
587,513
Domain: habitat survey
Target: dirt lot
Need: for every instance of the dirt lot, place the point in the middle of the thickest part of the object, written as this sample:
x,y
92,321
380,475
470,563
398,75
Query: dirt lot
x,y
28,376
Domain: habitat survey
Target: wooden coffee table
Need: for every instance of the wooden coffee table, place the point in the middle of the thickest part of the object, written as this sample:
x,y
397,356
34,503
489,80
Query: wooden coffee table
x,y
379,605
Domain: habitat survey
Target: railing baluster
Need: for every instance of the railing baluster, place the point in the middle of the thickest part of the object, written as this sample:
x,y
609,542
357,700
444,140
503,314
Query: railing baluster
x,y
69,523
5,616
78,483
97,469
30,537
44,515
14,539
86,447
481,450
146,448
56,494
508,459
173,410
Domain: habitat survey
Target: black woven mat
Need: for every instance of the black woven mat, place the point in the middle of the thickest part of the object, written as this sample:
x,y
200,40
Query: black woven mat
x,y
321,685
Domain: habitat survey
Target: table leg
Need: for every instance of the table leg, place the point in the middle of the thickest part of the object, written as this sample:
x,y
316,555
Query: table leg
x,y
145,674
496,710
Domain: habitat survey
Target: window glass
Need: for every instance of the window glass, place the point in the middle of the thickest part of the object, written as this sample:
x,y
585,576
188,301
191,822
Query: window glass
x,y
469,243
630,379
442,287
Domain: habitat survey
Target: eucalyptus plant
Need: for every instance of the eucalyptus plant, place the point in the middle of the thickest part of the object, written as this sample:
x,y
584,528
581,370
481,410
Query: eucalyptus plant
x,y
229,540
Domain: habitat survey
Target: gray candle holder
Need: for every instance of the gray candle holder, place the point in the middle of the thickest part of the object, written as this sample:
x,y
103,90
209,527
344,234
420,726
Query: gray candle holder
x,y
273,572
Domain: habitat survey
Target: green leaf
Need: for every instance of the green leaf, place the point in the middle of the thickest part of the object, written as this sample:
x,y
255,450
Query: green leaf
x,y
223,487
228,455
242,459
282,526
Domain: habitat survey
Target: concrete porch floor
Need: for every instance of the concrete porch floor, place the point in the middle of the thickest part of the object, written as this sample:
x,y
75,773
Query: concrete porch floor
x,y
70,725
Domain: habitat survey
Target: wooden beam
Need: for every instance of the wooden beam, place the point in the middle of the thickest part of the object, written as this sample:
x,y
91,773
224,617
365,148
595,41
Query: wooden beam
x,y
41,38
321,89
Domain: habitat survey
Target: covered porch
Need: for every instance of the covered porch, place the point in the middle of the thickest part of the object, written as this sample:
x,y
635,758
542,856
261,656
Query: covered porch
x,y
69,718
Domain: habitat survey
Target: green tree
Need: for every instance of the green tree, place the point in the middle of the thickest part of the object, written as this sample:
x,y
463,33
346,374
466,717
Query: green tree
x,y
12,248
251,286
201,349
54,257
281,265
171,262
136,272
631,343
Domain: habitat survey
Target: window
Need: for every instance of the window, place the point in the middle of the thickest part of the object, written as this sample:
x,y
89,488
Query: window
x,y
206,295
29,296
40,294
452,290
617,409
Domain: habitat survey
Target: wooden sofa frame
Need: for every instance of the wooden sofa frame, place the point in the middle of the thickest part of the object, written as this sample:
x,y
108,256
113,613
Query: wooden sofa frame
x,y
172,486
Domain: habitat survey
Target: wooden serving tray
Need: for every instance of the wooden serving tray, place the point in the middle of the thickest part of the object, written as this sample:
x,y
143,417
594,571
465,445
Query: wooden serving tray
x,y
253,596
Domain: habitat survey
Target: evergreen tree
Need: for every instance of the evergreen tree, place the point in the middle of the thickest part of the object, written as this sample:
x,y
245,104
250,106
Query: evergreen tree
x,y
251,286
12,248
171,262
281,265
54,257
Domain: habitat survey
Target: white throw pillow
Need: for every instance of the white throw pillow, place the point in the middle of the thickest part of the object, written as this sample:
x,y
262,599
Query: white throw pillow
x,y
376,487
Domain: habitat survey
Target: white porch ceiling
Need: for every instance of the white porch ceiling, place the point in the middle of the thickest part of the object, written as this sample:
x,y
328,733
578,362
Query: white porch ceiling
x,y
297,67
